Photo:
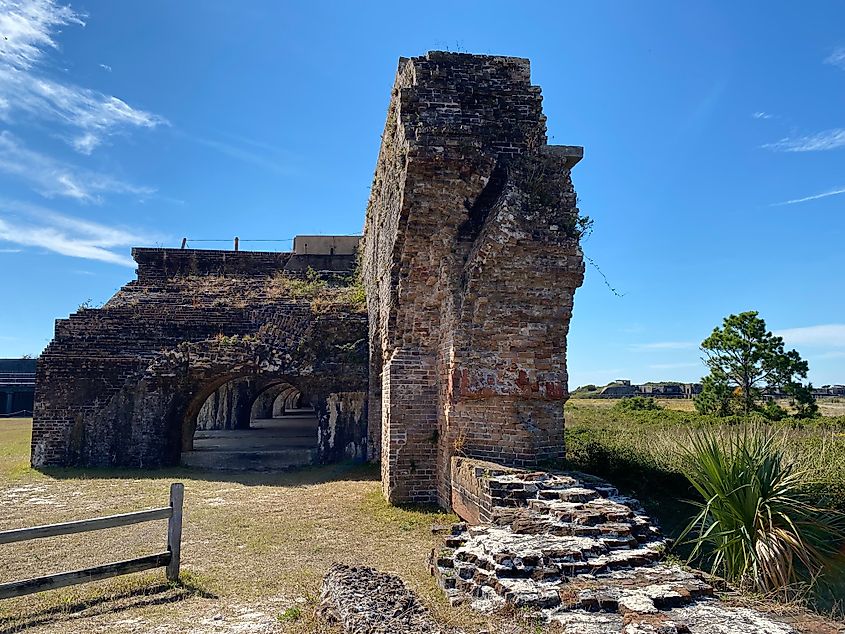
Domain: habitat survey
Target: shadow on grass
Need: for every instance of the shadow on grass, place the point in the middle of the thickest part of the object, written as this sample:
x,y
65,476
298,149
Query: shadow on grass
x,y
664,494
319,474
113,603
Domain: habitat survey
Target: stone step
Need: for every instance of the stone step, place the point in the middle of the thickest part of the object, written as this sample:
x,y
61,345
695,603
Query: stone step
x,y
253,443
260,460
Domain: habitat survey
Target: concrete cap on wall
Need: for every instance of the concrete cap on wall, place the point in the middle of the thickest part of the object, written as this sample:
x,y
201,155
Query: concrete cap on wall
x,y
326,245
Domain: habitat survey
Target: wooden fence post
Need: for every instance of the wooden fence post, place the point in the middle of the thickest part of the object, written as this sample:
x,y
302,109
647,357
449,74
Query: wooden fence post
x,y
174,530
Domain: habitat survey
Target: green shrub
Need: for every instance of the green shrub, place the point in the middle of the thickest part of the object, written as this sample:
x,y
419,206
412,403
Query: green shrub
x,y
758,524
773,411
638,404
290,615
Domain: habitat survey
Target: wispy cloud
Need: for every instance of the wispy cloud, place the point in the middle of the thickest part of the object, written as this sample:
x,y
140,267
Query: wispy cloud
x,y
250,151
11,250
28,28
52,178
664,345
762,115
832,192
105,67
827,140
673,366
31,226
824,336
837,57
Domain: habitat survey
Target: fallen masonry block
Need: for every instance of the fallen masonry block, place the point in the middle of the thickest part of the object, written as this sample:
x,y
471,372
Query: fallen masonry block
x,y
366,601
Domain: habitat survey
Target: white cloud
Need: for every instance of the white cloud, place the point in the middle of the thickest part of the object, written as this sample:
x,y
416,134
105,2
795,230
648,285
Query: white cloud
x,y
674,366
825,335
263,158
837,57
105,67
762,115
30,226
827,140
29,27
52,178
832,192
86,143
664,345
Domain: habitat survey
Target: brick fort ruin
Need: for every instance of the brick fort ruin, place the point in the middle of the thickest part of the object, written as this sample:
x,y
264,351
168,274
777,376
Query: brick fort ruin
x,y
442,334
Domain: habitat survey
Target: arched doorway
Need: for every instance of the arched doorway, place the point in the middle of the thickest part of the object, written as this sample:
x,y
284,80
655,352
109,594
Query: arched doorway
x,y
247,424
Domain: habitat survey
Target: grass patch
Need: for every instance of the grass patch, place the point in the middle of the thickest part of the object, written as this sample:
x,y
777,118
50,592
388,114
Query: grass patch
x,y
323,294
15,439
255,546
290,615
642,451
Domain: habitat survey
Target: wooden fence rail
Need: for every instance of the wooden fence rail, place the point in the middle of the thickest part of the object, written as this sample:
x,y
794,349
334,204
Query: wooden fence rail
x,y
169,558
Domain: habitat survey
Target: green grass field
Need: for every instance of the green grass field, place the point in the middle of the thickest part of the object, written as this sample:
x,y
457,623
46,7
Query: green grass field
x,y
641,447
256,545
639,451
254,551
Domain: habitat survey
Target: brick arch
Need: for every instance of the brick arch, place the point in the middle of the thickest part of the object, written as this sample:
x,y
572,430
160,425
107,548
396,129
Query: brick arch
x,y
258,384
289,398
266,396
121,385
292,400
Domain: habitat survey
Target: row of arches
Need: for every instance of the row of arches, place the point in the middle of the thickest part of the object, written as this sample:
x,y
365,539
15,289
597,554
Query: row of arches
x,y
245,425
238,402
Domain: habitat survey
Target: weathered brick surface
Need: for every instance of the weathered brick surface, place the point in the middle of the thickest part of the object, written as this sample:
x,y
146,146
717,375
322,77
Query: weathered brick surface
x,y
572,551
123,384
471,261
365,601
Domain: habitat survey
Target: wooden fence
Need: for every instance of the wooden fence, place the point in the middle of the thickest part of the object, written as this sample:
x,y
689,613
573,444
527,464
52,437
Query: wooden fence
x,y
168,558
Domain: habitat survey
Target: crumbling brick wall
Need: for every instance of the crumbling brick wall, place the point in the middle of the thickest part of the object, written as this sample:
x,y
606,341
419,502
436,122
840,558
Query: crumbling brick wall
x,y
122,385
470,260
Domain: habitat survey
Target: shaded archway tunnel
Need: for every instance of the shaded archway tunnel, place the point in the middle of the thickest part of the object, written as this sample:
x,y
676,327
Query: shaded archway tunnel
x,y
247,423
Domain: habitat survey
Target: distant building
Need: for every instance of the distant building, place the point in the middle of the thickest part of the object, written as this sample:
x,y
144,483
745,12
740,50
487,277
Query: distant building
x,y
620,388
17,386
623,388
669,390
829,390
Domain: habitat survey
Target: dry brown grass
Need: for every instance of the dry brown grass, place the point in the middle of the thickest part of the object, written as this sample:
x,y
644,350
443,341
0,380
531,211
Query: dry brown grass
x,y
828,406
254,551
677,404
834,406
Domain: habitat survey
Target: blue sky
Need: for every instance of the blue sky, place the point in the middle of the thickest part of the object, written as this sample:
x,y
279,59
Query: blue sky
x,y
714,139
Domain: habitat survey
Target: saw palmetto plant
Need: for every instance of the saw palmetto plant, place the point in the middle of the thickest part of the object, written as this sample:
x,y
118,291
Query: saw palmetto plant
x,y
757,525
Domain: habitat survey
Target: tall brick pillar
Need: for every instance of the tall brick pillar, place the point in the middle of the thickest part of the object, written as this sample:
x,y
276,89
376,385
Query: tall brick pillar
x,y
471,259
409,427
